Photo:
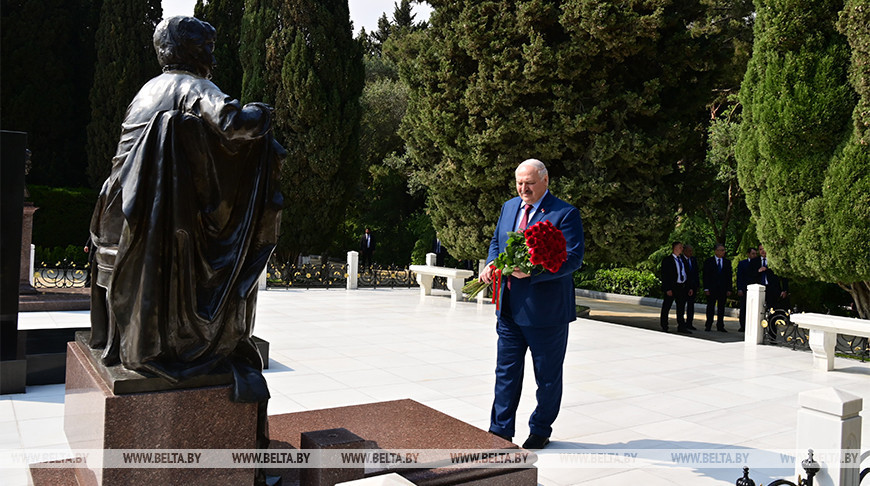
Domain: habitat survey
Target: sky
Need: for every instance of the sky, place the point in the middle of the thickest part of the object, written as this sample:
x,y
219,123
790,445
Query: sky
x,y
363,13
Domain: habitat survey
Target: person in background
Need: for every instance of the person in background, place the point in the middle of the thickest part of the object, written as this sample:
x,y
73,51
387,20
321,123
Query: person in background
x,y
674,286
717,287
366,248
692,285
745,277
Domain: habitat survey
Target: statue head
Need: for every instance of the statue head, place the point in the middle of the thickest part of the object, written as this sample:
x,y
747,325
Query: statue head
x,y
185,43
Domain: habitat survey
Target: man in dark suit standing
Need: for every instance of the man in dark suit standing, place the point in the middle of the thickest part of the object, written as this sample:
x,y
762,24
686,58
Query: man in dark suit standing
x,y
674,286
717,286
535,309
366,248
692,284
439,251
776,287
745,277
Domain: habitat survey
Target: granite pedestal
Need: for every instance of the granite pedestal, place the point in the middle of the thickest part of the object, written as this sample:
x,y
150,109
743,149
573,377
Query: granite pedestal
x,y
403,425
98,415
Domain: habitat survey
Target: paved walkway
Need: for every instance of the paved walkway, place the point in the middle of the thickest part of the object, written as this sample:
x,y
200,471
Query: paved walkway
x,y
627,390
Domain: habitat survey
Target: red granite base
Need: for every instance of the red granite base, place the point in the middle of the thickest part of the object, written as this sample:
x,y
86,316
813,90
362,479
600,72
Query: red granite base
x,y
406,424
198,418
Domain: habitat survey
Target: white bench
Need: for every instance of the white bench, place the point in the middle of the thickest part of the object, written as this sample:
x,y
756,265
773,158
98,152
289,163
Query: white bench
x,y
427,273
823,334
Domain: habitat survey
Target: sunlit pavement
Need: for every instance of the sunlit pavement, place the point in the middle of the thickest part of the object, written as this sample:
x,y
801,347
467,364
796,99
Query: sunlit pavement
x,y
626,389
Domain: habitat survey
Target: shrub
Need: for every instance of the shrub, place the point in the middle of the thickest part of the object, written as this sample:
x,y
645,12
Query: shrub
x,y
63,217
621,281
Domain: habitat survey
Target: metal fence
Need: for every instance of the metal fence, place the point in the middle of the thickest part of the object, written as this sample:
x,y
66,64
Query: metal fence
x,y
62,274
780,331
330,275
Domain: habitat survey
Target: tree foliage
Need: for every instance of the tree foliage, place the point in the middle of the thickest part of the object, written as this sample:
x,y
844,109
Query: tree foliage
x,y
803,155
125,61
47,64
314,70
226,17
610,95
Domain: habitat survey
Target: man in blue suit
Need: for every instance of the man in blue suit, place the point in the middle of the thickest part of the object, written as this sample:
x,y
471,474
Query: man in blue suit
x,y
535,309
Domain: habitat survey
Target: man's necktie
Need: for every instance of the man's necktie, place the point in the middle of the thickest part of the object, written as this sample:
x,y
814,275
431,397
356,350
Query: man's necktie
x,y
525,219
719,264
682,276
764,274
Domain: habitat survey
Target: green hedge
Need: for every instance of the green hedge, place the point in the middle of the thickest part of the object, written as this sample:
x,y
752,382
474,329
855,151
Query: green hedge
x,y
626,281
63,217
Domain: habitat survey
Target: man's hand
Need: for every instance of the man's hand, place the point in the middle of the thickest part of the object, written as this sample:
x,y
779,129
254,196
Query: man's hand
x,y
728,294
670,293
486,274
706,292
691,292
519,274
740,293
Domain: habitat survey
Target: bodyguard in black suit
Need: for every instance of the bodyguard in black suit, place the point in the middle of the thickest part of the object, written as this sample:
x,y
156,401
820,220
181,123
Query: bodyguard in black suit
x,y
776,287
717,286
692,284
745,277
674,279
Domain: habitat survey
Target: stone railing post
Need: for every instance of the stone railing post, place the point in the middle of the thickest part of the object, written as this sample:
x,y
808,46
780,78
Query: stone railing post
x,y
262,283
830,424
352,270
754,315
481,297
431,259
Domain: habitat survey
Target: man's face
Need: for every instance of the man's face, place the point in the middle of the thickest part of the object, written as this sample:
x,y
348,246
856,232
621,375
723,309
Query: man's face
x,y
762,252
530,187
720,252
688,251
752,254
678,249
206,60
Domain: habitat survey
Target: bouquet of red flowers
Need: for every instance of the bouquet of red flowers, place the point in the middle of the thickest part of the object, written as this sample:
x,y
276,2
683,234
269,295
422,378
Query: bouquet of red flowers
x,y
540,247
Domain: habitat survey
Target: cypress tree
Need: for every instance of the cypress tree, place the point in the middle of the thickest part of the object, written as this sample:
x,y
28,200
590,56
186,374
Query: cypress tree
x,y
803,149
125,61
314,68
47,69
258,23
226,17
609,95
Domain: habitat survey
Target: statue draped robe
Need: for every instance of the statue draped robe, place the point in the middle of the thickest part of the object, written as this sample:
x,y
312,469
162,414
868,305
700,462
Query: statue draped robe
x,y
192,208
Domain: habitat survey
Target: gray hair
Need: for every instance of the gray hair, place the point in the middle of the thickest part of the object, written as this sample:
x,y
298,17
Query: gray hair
x,y
537,165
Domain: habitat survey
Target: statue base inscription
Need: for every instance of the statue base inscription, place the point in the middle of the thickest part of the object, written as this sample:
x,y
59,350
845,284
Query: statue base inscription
x,y
193,418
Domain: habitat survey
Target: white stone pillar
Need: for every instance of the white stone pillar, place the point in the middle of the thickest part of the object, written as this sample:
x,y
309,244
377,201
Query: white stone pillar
x,y
829,423
754,314
481,297
262,283
32,260
431,259
352,270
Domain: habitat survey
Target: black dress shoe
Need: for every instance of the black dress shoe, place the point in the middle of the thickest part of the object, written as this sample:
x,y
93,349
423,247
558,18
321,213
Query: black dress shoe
x,y
664,329
722,329
684,331
509,439
692,328
536,442
741,330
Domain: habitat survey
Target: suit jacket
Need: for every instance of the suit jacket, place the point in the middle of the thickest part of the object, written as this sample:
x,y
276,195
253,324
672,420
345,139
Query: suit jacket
x,y
669,272
745,275
543,299
362,243
775,284
692,272
716,281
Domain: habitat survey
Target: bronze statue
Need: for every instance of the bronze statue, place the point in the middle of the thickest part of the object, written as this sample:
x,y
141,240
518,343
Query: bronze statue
x,y
186,222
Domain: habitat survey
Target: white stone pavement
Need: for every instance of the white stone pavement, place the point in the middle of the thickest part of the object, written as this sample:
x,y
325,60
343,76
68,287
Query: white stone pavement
x,y
626,389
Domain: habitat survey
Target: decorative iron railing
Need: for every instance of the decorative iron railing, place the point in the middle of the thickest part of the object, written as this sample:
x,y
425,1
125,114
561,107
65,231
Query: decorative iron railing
x,y
62,274
321,275
780,331
332,275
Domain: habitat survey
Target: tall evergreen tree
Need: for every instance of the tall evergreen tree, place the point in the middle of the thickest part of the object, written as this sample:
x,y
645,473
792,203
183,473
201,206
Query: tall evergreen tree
x,y
47,69
609,95
125,61
226,17
259,20
314,68
803,156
